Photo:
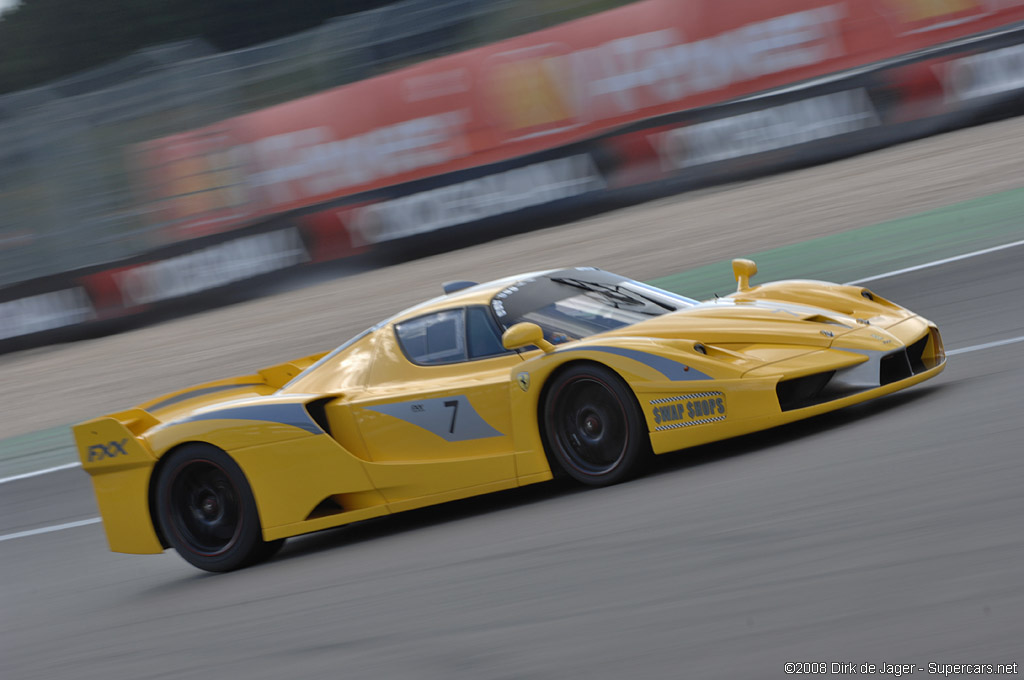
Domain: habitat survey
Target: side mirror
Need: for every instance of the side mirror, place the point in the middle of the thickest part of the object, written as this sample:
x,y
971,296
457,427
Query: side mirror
x,y
525,334
743,270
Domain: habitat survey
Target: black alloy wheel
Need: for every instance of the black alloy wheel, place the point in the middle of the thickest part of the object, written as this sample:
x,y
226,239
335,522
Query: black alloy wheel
x,y
593,427
207,511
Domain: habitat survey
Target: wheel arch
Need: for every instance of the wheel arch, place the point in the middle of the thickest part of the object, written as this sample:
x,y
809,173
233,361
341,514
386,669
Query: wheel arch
x,y
154,478
542,397
549,380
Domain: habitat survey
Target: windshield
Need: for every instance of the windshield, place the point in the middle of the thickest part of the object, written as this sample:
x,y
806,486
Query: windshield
x,y
576,303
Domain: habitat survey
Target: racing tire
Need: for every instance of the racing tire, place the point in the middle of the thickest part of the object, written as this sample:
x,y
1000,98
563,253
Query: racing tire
x,y
207,511
593,428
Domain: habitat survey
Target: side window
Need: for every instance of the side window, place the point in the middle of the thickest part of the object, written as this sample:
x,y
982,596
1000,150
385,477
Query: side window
x,y
482,334
434,339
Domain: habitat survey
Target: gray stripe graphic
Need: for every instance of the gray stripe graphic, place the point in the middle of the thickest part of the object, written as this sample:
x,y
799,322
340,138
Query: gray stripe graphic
x,y
673,370
286,414
192,394
451,418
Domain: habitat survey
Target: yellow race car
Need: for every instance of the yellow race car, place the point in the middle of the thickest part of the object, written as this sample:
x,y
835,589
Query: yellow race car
x,y
575,372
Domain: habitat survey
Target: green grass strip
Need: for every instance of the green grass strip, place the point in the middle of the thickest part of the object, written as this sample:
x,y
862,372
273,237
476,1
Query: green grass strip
x,y
860,253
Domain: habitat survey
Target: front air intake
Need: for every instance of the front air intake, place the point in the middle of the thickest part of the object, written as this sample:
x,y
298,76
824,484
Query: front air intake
x,y
915,353
801,392
894,367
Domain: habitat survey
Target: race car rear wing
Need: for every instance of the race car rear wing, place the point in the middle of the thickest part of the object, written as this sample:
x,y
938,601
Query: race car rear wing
x,y
263,382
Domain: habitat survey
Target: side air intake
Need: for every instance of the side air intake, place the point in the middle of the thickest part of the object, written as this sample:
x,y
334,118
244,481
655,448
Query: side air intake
x,y
318,412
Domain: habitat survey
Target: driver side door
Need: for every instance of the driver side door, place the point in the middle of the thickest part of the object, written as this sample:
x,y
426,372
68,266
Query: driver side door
x,y
436,418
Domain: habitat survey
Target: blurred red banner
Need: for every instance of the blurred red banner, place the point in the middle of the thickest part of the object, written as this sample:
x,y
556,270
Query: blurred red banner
x,y
531,93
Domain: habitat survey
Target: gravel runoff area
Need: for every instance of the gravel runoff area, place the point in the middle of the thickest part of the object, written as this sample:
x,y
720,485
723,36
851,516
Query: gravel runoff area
x,y
65,383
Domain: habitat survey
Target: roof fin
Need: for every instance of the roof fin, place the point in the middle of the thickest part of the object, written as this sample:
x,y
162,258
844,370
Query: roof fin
x,y
455,286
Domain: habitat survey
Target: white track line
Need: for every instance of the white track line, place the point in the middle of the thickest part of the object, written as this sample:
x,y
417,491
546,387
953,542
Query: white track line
x,y
987,345
47,471
47,530
936,263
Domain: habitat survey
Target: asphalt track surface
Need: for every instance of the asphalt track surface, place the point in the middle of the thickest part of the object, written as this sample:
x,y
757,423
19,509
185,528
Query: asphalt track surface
x,y
890,532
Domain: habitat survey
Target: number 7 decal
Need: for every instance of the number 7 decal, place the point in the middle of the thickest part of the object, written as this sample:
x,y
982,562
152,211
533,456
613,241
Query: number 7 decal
x,y
454,406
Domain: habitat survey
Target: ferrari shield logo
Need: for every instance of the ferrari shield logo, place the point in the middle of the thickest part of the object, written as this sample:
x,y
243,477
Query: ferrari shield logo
x,y
524,380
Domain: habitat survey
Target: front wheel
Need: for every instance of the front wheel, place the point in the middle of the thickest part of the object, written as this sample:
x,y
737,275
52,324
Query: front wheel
x,y
207,511
594,430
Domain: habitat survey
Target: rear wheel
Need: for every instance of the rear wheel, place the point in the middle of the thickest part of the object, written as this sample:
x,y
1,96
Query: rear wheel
x,y
594,430
207,511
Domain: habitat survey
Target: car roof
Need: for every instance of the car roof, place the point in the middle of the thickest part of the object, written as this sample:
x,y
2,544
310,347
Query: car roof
x,y
480,294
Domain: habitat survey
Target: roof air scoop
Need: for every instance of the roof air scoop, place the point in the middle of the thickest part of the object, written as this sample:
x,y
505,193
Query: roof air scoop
x,y
743,270
455,286
819,318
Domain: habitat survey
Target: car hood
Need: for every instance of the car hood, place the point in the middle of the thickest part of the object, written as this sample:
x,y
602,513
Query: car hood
x,y
729,321
740,335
